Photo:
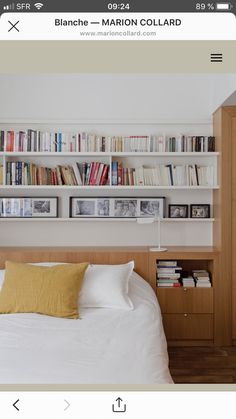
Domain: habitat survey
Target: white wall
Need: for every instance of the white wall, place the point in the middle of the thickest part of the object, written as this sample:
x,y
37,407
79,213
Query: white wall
x,y
167,97
188,101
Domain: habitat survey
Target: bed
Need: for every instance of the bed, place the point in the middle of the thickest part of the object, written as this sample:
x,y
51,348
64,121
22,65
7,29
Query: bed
x,y
105,346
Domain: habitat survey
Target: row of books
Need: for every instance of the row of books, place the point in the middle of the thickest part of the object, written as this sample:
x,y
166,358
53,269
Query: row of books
x,y
183,143
27,173
97,173
162,144
1,175
169,274
43,141
163,175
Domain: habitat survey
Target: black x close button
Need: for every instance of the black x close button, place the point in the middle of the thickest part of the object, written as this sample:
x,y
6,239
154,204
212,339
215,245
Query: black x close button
x,y
13,26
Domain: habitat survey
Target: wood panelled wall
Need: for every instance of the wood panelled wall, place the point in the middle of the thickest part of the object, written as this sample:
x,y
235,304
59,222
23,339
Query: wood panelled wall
x,y
224,232
232,112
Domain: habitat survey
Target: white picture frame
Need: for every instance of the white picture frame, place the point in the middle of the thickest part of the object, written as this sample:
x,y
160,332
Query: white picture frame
x,y
117,207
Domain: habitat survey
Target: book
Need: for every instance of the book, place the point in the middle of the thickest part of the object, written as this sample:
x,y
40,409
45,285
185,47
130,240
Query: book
x,y
114,173
204,285
172,276
95,173
99,175
188,282
168,270
105,174
177,285
167,281
169,263
77,173
1,175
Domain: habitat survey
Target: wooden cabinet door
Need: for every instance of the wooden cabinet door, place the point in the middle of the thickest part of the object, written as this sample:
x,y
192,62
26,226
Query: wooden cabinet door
x,y
185,300
188,326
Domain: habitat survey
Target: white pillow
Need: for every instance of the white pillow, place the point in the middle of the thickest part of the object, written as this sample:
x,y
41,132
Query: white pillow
x,y
107,286
104,286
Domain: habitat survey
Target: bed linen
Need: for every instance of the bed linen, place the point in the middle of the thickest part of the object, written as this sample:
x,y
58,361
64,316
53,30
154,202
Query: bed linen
x,y
105,346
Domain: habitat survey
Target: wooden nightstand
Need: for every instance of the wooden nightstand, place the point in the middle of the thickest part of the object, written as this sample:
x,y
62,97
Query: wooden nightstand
x,y
189,314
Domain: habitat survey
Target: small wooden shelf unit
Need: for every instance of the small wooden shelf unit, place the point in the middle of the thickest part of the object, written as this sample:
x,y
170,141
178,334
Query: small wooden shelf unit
x,y
189,314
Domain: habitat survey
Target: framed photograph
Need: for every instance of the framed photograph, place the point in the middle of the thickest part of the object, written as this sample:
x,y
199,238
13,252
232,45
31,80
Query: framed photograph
x,y
103,207
152,207
178,211
43,207
26,207
118,207
125,207
89,207
11,207
200,211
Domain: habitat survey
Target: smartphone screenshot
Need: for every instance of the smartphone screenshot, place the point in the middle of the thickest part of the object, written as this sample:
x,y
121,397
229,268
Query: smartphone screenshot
x,y
117,209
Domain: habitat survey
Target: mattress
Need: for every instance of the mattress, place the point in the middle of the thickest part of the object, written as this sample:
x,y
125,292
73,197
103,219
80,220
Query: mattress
x,y
105,346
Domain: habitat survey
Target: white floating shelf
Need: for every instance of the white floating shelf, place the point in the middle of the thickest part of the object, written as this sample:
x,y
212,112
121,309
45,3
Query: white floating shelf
x,y
69,220
103,188
188,220
102,121
109,154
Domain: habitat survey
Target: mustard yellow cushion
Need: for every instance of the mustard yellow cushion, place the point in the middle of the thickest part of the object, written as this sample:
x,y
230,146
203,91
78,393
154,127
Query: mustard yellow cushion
x,y
38,289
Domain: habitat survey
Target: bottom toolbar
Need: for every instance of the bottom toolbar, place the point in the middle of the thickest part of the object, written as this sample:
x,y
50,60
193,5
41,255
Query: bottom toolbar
x,y
107,404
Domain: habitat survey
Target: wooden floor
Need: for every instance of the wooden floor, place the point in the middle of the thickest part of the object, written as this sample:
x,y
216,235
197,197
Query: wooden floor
x,y
203,365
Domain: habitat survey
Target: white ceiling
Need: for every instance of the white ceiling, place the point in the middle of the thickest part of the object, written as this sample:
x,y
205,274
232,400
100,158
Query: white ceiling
x,y
231,100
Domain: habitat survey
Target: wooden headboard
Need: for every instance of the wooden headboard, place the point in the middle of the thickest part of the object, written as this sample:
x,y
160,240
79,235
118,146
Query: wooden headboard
x,y
98,255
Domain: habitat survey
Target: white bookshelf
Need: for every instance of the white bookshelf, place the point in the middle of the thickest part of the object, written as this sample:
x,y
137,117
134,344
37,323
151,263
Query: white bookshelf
x,y
67,227
104,188
109,154
112,220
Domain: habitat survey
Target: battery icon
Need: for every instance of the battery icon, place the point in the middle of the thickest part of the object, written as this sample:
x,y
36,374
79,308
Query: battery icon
x,y
223,6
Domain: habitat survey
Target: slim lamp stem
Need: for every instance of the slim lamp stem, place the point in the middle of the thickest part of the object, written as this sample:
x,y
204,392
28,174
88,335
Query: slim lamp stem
x,y
159,248
159,231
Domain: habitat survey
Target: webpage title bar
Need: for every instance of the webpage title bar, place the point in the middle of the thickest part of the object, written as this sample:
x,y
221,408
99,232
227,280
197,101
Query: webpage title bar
x,y
106,26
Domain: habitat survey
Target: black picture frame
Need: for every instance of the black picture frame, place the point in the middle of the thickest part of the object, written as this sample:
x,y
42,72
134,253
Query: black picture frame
x,y
200,211
178,211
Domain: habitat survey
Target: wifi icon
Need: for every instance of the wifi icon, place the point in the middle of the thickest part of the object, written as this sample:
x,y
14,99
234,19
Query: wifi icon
x,y
38,6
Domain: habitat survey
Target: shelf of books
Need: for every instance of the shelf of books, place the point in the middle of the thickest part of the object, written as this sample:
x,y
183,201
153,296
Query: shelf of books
x,y
33,140
58,158
136,171
54,162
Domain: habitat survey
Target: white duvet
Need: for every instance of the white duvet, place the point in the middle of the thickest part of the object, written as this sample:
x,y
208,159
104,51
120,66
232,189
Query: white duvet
x,y
105,346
